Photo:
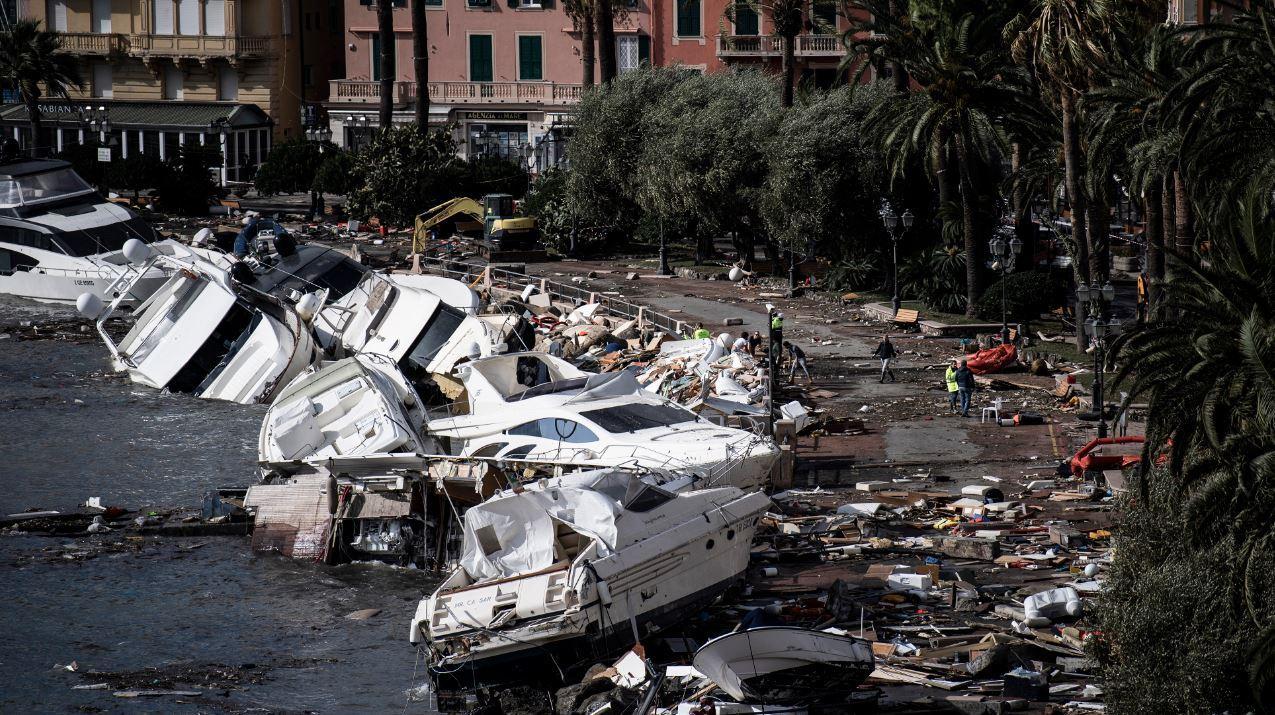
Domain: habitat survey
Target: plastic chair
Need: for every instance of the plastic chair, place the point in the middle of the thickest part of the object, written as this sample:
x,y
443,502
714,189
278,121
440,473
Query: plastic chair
x,y
994,409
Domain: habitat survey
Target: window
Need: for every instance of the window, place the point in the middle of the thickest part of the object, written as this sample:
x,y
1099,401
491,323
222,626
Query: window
x,y
638,416
174,79
1190,12
215,17
746,21
102,16
188,13
626,50
103,79
27,237
688,12
480,69
162,17
556,429
434,337
433,3
56,10
228,84
11,261
376,59
530,58
478,3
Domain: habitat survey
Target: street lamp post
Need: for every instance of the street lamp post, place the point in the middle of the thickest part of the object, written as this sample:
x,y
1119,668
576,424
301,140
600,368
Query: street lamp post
x,y
97,119
1095,300
321,135
665,270
1006,254
891,222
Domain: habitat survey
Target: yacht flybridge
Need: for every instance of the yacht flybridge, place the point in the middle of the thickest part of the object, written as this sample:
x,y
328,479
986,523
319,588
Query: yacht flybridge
x,y
536,407
206,334
59,238
579,561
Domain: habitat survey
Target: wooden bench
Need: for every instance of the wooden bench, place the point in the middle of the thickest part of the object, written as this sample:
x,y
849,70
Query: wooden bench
x,y
906,316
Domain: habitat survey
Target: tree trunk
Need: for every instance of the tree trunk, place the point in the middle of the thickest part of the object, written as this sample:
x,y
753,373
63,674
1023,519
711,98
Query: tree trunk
x,y
420,57
1154,236
1099,241
788,69
605,29
1183,226
385,30
587,48
898,75
36,121
1024,229
1074,164
944,168
969,203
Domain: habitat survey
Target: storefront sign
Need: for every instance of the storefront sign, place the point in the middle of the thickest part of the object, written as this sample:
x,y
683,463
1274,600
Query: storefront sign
x,y
498,116
104,153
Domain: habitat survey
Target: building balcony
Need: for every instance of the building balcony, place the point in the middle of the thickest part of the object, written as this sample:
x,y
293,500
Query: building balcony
x,y
202,46
93,43
465,93
764,46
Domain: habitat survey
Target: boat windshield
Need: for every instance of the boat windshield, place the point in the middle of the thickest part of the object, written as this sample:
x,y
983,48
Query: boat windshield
x,y
42,187
103,239
218,350
311,269
433,338
638,416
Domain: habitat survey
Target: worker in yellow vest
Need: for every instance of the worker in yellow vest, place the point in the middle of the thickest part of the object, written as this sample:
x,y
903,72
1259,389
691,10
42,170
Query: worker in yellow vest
x,y
701,333
952,388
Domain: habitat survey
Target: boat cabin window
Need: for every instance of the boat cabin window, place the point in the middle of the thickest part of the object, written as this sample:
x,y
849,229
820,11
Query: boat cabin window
x,y
11,261
638,416
104,239
434,337
490,450
645,497
488,539
556,429
217,351
305,272
38,188
27,237
519,452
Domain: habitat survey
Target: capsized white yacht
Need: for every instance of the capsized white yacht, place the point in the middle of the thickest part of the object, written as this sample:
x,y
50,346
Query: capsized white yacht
x,y
59,238
346,408
581,562
205,334
398,317
536,407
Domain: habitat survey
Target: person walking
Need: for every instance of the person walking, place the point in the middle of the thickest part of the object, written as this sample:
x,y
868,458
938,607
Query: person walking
x,y
797,358
885,351
965,386
950,378
774,352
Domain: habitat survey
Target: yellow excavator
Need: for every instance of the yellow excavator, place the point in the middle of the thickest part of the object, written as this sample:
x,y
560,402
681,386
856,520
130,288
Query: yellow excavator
x,y
505,237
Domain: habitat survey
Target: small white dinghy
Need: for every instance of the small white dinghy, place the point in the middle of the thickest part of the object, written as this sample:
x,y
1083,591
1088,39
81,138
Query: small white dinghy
x,y
357,406
781,664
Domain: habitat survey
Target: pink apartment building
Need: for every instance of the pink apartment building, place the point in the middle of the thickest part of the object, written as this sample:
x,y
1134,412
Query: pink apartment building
x,y
507,73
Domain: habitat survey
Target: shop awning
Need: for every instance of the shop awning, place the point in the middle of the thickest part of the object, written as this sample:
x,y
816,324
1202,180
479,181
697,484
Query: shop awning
x,y
162,116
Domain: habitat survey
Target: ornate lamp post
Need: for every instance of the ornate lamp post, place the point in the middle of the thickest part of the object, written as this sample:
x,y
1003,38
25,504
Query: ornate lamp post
x,y
1095,300
321,135
891,223
1006,254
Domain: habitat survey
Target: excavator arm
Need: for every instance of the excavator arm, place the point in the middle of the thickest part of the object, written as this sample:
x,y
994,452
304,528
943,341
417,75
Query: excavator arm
x,y
440,213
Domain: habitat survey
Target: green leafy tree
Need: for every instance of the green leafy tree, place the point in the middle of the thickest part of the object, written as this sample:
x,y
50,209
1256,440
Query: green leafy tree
x,y
187,184
136,172
493,175
547,201
402,172
83,158
30,61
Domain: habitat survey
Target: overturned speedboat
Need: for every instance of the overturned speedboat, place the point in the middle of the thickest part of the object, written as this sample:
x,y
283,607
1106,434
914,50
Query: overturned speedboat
x,y
205,334
780,664
583,562
357,406
536,407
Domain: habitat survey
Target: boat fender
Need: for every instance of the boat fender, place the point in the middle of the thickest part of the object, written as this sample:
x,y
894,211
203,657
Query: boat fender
x,y
332,495
242,273
285,245
136,251
89,305
308,306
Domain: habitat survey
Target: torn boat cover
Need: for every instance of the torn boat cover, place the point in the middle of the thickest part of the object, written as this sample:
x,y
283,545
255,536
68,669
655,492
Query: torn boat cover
x,y
785,664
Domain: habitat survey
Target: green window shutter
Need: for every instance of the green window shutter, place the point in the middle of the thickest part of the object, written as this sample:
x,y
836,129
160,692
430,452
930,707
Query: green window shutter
x,y
530,59
480,58
376,58
644,49
688,18
746,20
433,3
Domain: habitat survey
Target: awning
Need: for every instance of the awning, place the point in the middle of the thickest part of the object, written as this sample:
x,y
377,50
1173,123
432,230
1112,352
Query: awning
x,y
162,116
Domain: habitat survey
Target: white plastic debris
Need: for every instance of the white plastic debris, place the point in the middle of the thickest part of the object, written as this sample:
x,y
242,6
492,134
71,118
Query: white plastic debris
x,y
1041,609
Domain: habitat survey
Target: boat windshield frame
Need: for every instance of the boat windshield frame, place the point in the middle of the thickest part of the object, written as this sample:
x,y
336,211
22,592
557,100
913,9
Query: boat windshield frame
x,y
14,190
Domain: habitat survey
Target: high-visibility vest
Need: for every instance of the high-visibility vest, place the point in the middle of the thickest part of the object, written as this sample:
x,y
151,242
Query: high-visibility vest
x,y
951,379
701,334
776,323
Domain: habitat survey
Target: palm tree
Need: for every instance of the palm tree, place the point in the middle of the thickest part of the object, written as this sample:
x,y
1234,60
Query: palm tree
x,y
787,18
604,26
420,58
581,14
385,33
31,63
968,94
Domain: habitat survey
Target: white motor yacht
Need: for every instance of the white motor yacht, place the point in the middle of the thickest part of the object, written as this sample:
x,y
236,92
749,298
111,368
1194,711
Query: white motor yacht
x,y
582,562
59,238
536,407
205,334
397,317
352,407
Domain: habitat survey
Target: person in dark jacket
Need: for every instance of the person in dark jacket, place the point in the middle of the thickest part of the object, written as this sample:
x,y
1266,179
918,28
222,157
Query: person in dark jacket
x,y
964,387
885,351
